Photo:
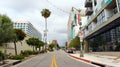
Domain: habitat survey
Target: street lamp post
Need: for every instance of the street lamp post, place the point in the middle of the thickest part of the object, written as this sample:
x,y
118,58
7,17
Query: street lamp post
x,y
81,40
80,37
80,30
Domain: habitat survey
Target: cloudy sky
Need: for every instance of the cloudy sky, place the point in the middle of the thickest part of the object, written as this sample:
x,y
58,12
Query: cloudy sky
x,y
30,10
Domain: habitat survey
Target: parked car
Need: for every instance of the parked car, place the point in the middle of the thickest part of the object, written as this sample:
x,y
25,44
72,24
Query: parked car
x,y
69,51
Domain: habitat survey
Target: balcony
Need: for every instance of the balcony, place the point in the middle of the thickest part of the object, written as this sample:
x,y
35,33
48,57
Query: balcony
x,y
88,3
89,11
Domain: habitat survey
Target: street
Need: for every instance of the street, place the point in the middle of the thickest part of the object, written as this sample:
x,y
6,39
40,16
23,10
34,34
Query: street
x,y
53,59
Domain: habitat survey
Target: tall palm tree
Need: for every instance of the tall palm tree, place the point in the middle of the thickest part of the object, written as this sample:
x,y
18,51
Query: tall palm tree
x,y
45,13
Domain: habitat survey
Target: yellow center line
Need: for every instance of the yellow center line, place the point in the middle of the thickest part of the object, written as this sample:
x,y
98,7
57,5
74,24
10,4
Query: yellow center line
x,y
54,63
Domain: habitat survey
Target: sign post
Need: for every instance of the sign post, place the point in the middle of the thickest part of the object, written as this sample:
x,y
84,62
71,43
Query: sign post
x,y
81,41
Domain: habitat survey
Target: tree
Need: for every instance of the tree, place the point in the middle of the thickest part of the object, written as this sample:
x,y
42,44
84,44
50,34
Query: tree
x,y
6,28
30,42
58,47
75,43
40,44
35,42
51,46
20,35
45,13
6,31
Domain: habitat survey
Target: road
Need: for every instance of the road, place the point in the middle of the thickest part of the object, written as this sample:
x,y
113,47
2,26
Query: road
x,y
53,59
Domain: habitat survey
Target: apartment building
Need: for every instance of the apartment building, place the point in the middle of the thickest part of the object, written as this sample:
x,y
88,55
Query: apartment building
x,y
28,28
102,31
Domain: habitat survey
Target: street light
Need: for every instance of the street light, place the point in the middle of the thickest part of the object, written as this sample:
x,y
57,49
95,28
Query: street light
x,y
81,41
80,36
80,30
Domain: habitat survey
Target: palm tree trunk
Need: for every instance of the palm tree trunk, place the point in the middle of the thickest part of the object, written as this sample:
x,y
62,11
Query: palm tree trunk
x,y
15,47
45,33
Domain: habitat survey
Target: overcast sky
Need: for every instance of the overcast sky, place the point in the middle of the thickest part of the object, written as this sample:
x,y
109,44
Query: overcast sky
x,y
29,10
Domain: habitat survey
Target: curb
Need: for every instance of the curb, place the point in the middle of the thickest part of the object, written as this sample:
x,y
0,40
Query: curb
x,y
88,61
10,64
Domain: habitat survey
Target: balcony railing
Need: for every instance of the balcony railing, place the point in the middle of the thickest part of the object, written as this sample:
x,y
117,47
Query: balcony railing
x,y
88,3
89,11
114,11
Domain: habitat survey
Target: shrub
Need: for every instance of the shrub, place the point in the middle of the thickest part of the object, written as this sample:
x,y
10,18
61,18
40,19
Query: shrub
x,y
1,55
16,57
36,52
26,52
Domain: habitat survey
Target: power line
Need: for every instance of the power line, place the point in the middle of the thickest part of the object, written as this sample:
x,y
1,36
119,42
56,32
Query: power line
x,y
57,7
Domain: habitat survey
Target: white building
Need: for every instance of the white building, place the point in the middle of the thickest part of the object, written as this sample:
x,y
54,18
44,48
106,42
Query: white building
x,y
75,19
28,28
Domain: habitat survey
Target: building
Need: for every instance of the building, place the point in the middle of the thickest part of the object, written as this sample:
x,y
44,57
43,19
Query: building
x,y
75,19
56,45
73,25
55,42
28,28
102,31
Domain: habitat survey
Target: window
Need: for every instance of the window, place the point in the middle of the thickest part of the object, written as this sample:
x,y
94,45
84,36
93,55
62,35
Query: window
x,y
113,35
101,18
119,4
118,33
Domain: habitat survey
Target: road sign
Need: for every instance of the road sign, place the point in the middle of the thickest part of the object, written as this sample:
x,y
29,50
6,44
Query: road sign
x,y
81,36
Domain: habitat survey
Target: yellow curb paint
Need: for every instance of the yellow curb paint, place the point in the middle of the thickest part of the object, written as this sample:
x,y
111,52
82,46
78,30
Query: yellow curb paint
x,y
54,63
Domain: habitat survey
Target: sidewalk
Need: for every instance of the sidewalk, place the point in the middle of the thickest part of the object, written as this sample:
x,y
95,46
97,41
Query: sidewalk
x,y
104,61
10,62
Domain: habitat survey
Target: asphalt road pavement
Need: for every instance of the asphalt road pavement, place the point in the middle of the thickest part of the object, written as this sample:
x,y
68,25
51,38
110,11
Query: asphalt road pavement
x,y
53,59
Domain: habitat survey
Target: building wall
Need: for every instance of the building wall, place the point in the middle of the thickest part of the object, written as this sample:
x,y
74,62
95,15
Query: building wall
x,y
92,24
23,46
101,23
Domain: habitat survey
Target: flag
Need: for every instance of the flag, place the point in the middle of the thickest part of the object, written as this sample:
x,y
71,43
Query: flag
x,y
79,19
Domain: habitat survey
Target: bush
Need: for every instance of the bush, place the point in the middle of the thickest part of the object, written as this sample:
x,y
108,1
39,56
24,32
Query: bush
x,y
16,57
36,52
1,55
27,52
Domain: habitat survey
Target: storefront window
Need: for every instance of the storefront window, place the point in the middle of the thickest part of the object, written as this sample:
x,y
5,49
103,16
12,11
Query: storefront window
x,y
107,41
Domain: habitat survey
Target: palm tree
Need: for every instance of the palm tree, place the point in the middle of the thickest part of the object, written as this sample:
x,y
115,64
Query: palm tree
x,y
20,35
45,13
